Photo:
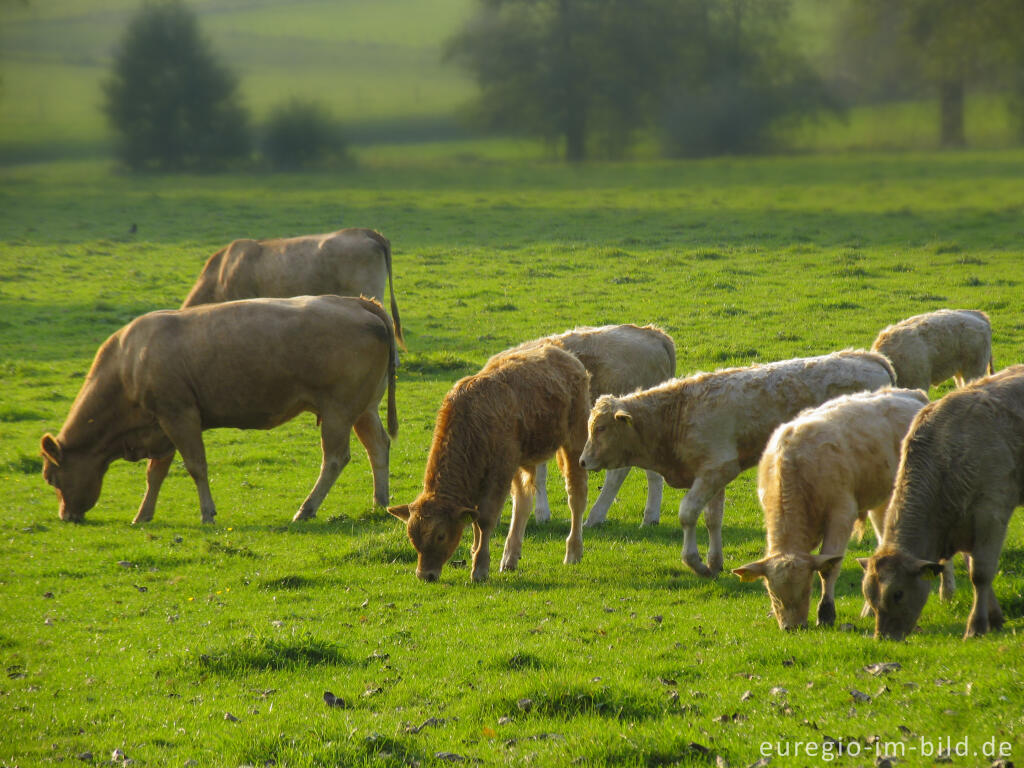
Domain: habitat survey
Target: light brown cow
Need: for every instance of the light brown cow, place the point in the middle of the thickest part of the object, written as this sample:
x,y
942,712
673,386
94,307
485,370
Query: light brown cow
x,y
819,477
961,475
349,262
492,430
620,359
701,432
928,349
157,383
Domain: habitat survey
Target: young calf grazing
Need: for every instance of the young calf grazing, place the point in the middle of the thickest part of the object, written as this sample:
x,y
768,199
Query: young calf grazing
x,y
702,431
928,349
961,474
818,478
620,359
157,383
493,428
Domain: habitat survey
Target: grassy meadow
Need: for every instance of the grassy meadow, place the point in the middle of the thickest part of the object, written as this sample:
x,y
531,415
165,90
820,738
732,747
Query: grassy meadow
x,y
181,644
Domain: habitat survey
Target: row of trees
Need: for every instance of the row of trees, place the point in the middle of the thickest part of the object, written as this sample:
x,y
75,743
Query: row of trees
x,y
702,76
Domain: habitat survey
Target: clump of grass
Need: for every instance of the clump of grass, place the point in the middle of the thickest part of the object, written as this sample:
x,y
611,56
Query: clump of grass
x,y
26,465
287,583
435,363
570,701
258,653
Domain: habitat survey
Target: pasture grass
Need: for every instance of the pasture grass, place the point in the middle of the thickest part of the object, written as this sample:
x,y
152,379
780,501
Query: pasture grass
x,y
178,642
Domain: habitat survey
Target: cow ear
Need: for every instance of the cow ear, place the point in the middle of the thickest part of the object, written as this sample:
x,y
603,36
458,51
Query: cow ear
x,y
929,568
624,417
468,514
752,571
402,512
863,562
51,449
823,563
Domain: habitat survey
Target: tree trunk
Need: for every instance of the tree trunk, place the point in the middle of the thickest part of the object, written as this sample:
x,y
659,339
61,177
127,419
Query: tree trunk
x,y
574,99
951,113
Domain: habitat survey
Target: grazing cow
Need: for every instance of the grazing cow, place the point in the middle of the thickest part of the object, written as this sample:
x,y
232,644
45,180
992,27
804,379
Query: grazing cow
x,y
961,474
493,428
702,431
157,383
928,349
620,359
820,476
349,262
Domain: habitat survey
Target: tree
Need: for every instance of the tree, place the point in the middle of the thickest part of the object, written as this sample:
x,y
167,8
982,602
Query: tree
x,y
171,104
954,43
303,134
596,72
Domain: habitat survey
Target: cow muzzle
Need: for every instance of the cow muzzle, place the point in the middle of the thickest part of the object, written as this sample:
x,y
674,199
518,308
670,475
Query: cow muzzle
x,y
428,575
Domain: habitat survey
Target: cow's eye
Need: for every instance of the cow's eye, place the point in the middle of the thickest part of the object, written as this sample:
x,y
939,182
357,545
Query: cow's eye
x,y
897,595
599,429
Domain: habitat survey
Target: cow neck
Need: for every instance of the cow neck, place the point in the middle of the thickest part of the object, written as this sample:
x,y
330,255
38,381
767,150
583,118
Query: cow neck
x,y
458,462
98,417
911,524
656,418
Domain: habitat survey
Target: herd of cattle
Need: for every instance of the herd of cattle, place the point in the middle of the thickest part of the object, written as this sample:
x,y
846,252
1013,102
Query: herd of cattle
x,y
836,438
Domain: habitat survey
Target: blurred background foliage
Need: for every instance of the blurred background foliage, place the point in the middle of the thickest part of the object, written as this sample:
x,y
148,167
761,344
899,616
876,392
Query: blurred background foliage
x,y
295,85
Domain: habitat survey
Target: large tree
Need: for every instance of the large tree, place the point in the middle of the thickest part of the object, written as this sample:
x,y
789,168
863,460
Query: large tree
x,y
592,73
170,102
953,42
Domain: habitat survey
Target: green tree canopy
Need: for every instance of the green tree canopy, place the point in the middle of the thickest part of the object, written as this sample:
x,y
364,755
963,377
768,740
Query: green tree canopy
x,y
593,73
170,102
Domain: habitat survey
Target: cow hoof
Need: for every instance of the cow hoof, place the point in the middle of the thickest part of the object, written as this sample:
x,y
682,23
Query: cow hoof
x,y
697,565
303,514
592,522
650,521
542,515
826,614
207,519
141,518
481,576
509,564
715,563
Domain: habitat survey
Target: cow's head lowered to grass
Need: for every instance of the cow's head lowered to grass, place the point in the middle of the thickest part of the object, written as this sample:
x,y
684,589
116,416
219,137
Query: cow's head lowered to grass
x,y
788,578
896,586
435,529
77,477
612,438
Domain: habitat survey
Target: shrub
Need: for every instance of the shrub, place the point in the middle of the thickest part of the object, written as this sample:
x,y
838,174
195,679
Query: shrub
x,y
303,134
171,104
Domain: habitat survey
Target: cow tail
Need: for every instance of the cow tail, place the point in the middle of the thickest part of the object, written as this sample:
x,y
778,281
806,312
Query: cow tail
x,y
886,363
991,364
392,384
391,288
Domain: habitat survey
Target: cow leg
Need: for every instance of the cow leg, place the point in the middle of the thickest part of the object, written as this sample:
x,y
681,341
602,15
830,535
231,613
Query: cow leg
x,y
375,440
542,512
829,576
156,471
705,488
613,479
713,520
488,515
576,488
655,488
335,434
186,432
947,581
522,502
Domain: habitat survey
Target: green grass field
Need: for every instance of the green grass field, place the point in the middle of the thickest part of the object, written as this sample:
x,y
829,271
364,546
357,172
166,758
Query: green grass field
x,y
180,644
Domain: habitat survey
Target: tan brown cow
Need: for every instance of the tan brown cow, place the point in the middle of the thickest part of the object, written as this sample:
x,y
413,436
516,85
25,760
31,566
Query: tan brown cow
x,y
494,427
961,475
349,262
930,348
702,431
620,359
819,477
157,383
